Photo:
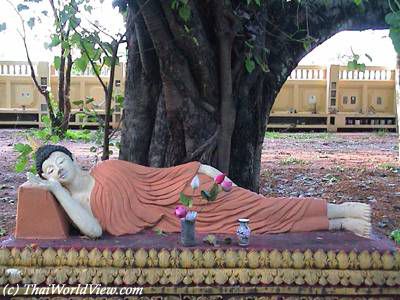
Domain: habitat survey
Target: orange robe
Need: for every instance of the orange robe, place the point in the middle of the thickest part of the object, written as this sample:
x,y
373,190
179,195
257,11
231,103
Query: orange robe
x,y
128,198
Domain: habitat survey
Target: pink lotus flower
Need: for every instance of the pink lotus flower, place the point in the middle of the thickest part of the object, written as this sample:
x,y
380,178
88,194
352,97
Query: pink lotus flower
x,y
180,211
219,178
226,185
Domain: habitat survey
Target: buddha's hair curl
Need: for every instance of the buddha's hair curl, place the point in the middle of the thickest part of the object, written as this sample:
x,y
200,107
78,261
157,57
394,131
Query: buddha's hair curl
x,y
44,152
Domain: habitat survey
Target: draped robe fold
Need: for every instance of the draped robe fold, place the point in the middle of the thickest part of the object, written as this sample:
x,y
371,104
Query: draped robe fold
x,y
128,198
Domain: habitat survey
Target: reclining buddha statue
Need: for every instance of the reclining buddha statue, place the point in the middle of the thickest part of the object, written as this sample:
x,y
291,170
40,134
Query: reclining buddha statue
x,y
121,197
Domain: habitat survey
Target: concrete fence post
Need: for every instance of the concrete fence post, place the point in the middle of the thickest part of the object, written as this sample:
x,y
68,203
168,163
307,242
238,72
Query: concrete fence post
x,y
43,77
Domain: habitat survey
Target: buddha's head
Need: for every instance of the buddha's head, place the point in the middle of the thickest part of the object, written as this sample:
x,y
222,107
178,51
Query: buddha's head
x,y
56,162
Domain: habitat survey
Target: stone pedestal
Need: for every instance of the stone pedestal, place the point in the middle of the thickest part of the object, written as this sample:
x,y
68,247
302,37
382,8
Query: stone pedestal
x,y
39,215
315,265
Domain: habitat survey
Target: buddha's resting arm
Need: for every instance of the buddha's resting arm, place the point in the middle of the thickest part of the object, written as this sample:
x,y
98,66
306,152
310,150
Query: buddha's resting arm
x,y
79,215
211,171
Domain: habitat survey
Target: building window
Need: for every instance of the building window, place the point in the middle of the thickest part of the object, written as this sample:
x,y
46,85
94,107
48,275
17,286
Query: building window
x,y
353,99
379,100
345,100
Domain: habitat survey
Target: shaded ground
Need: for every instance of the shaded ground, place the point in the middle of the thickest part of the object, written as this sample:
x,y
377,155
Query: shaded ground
x,y
338,167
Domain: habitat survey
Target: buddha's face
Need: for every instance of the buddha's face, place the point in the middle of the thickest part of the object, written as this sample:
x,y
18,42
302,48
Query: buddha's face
x,y
60,167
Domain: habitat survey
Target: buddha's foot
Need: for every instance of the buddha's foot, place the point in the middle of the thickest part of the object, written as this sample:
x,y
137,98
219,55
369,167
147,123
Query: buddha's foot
x,y
359,227
350,210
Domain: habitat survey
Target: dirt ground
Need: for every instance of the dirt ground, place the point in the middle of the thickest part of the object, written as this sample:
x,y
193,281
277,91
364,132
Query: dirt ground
x,y
338,167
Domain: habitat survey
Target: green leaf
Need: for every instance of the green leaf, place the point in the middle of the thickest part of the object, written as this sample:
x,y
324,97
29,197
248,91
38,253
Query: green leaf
x,y
75,39
24,149
21,163
395,36
81,63
174,4
31,22
352,65
185,200
358,2
77,102
88,8
159,232
307,45
65,45
263,65
211,239
55,41
213,192
185,12
57,62
21,7
395,235
119,99
248,44
258,2
32,169
54,139
249,64
361,67
206,195
228,241
393,19
107,61
89,100
2,231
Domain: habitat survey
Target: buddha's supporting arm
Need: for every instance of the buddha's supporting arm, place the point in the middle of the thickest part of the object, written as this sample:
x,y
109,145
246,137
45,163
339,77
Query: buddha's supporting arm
x,y
79,215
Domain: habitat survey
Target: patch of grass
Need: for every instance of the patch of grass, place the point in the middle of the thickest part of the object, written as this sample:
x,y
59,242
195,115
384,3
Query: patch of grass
x,y
79,135
274,135
311,135
388,167
381,132
292,161
299,135
338,169
330,178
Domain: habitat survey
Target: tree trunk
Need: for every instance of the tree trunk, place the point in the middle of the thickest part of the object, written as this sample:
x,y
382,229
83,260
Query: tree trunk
x,y
397,74
67,94
202,88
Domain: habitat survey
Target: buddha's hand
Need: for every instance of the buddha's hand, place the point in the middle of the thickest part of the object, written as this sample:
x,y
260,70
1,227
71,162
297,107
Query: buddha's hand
x,y
49,185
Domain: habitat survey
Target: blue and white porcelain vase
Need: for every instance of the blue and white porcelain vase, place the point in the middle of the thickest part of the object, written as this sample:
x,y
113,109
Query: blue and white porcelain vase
x,y
243,232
